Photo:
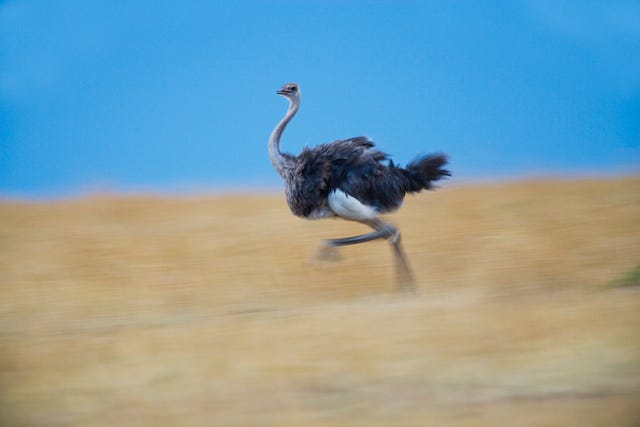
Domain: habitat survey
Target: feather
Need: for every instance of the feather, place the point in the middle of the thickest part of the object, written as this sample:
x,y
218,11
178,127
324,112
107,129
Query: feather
x,y
357,168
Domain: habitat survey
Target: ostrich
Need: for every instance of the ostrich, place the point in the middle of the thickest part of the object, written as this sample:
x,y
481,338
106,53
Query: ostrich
x,y
350,179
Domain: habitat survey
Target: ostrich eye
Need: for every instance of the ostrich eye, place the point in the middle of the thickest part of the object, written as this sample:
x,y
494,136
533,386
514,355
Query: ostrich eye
x,y
293,88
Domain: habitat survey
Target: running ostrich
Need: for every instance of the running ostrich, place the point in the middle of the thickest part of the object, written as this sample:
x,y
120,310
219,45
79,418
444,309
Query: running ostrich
x,y
350,179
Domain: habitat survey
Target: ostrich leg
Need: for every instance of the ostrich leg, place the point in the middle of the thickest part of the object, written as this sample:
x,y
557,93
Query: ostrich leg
x,y
383,230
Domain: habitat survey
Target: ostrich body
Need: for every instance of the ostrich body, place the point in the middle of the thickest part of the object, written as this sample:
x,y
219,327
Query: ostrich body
x,y
352,180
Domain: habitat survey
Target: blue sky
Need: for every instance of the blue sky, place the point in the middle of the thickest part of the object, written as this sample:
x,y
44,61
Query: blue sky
x,y
180,96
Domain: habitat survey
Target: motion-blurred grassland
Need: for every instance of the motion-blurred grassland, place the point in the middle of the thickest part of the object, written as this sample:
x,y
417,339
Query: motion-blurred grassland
x,y
201,311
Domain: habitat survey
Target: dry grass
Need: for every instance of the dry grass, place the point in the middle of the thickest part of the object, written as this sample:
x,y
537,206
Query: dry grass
x,y
154,311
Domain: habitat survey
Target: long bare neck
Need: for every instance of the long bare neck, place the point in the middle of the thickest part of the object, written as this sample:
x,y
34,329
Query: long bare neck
x,y
278,160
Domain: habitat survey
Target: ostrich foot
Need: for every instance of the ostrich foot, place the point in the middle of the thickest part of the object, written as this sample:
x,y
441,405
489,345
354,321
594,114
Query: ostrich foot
x,y
326,255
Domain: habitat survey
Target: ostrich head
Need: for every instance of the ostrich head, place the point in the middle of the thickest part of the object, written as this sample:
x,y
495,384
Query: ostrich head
x,y
291,91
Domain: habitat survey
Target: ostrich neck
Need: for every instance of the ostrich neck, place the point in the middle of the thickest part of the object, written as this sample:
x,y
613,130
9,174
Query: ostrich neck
x,y
278,160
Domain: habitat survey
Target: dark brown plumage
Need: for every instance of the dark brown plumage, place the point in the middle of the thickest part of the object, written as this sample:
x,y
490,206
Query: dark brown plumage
x,y
354,166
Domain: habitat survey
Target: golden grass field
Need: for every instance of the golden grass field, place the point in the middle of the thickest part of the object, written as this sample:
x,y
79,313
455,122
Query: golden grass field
x,y
204,311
